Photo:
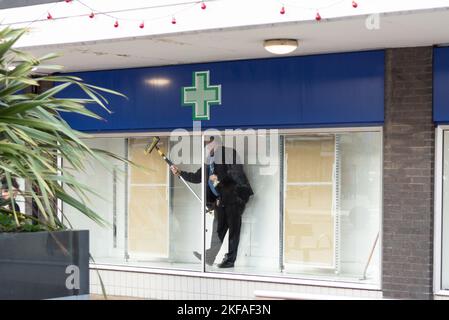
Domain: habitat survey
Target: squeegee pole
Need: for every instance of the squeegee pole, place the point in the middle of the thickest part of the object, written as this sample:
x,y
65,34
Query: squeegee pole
x,y
190,188
182,179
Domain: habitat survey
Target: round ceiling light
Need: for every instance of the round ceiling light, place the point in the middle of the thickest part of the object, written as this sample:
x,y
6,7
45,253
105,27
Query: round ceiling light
x,y
280,46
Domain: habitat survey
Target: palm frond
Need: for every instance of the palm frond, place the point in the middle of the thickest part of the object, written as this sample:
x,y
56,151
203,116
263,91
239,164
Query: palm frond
x,y
33,134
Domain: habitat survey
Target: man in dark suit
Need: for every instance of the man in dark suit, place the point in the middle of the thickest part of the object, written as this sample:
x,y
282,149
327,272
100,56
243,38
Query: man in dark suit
x,y
227,192
6,200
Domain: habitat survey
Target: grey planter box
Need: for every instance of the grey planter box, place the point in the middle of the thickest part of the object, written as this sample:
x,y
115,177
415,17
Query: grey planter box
x,y
44,265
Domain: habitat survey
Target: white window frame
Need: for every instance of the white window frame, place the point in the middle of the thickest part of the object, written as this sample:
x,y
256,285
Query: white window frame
x,y
438,214
297,280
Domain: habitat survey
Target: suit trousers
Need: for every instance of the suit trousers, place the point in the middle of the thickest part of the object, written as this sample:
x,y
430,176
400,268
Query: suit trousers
x,y
226,218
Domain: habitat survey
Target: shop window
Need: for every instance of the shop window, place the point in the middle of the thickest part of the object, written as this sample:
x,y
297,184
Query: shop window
x,y
315,212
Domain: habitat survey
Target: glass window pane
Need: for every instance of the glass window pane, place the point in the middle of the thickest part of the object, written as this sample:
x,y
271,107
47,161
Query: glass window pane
x,y
256,167
148,203
332,210
360,205
154,220
107,244
309,211
445,235
185,209
164,216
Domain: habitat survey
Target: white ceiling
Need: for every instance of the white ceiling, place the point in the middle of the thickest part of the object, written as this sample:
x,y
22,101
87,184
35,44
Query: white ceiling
x,y
422,28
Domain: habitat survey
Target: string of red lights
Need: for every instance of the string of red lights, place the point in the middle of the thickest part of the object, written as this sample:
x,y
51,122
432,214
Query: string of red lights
x,y
318,16
202,5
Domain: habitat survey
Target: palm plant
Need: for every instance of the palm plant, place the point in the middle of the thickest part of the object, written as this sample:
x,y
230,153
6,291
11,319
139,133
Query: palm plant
x,y
33,135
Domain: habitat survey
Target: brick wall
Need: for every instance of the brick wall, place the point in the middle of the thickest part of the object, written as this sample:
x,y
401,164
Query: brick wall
x,y
409,137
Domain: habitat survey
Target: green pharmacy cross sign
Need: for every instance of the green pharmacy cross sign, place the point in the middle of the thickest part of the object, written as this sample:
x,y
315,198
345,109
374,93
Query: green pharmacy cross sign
x,y
201,96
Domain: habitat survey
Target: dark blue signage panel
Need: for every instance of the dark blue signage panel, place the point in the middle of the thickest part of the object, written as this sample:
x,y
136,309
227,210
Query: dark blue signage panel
x,y
313,91
441,85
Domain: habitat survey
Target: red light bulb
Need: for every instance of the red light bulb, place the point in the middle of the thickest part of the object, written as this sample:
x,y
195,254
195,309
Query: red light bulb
x,y
318,16
142,25
173,20
203,5
92,15
116,24
282,10
355,4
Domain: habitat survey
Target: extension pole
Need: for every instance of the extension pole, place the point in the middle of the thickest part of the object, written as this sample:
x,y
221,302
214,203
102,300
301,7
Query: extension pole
x,y
190,188
370,256
153,145
182,179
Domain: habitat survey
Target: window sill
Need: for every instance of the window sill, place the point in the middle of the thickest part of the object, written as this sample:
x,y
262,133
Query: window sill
x,y
444,293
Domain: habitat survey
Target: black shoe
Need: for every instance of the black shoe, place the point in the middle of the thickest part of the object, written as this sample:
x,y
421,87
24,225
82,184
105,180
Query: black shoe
x,y
198,256
226,264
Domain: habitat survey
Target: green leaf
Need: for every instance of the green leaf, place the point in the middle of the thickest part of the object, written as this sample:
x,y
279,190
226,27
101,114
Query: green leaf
x,y
33,135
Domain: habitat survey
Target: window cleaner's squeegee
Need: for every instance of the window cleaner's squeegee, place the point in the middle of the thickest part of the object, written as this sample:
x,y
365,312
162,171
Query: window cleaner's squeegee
x,y
153,145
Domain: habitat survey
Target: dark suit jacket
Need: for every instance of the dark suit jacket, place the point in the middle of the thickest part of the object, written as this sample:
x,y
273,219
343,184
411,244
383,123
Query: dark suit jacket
x,y
233,187
7,204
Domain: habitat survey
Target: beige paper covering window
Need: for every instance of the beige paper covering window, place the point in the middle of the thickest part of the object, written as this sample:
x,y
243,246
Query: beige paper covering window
x,y
148,202
309,220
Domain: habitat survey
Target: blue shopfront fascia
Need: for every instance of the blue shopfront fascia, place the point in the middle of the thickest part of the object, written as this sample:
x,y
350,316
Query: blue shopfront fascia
x,y
331,90
441,85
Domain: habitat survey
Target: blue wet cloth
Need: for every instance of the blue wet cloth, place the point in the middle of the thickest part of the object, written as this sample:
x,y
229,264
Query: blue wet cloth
x,y
210,171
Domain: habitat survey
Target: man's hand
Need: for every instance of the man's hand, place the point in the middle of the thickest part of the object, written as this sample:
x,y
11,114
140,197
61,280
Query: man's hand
x,y
175,170
213,178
